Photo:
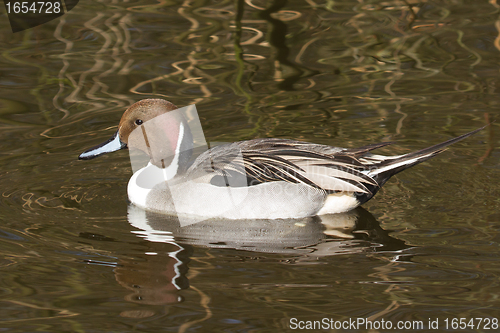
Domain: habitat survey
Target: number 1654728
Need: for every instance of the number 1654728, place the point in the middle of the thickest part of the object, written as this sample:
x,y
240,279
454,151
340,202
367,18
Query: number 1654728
x,y
33,7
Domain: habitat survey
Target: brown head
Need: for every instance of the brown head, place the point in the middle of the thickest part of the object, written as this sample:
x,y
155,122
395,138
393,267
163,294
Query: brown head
x,y
149,126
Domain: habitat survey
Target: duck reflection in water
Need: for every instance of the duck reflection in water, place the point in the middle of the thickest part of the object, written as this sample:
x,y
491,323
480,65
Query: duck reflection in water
x,y
157,276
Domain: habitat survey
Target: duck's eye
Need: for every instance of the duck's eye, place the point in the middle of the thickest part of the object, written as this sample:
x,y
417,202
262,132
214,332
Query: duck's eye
x,y
138,122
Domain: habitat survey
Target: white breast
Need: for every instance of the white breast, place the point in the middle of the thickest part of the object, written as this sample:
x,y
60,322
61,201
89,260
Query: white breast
x,y
148,189
273,200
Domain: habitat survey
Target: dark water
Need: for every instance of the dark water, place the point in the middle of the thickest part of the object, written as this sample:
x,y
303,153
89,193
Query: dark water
x,y
343,73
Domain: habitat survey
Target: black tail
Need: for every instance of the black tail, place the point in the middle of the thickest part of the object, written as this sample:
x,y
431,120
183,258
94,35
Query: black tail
x,y
388,168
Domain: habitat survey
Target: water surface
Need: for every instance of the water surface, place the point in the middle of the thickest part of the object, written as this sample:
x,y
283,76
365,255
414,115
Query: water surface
x,y
343,73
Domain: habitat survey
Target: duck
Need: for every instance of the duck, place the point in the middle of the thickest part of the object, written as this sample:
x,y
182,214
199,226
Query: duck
x,y
267,178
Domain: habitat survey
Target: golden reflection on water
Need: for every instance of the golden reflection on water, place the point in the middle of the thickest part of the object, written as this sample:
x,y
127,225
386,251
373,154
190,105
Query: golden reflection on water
x,y
232,55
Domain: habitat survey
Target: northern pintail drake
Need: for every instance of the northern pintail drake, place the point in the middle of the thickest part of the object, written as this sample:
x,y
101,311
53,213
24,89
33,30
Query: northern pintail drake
x,y
254,179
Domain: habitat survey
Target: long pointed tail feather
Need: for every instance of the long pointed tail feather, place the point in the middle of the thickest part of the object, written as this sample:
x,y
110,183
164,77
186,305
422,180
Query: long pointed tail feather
x,y
394,164
390,167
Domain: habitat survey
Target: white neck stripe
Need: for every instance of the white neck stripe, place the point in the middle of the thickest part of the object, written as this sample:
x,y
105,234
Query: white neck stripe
x,y
170,171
